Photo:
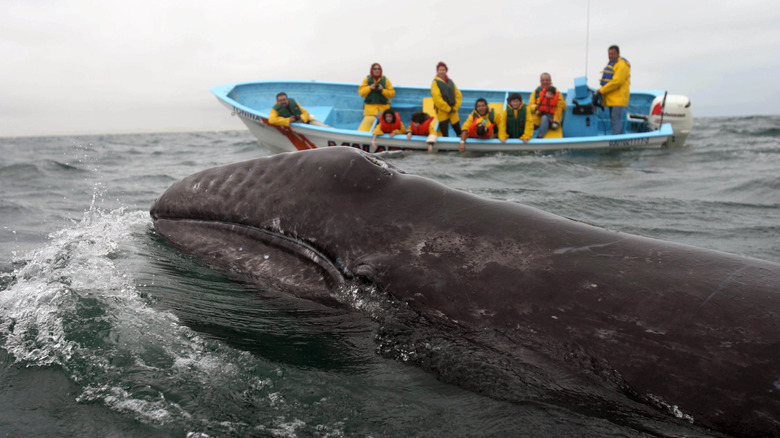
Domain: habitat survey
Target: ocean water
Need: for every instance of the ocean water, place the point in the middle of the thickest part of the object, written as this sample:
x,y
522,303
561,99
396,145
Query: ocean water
x,y
105,330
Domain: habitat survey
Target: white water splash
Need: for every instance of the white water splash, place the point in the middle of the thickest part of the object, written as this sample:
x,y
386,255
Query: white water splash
x,y
74,303
76,264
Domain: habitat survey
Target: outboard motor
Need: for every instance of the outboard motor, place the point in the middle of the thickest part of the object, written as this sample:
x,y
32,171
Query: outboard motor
x,y
673,109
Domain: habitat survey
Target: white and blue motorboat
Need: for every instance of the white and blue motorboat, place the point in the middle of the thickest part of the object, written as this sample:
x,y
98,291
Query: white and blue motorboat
x,y
654,119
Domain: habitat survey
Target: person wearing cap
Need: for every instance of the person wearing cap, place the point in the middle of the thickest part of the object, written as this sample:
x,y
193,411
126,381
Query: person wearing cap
x,y
545,81
615,84
446,100
377,92
546,108
480,124
288,111
516,121
423,124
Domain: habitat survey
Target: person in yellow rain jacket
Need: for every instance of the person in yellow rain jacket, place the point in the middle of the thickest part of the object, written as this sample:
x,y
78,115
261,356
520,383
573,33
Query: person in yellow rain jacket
x,y
481,123
390,123
545,81
615,87
378,92
546,108
288,111
516,121
446,100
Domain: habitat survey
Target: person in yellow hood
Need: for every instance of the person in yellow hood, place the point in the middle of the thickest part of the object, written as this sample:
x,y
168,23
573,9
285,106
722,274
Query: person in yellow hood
x,y
615,84
446,100
378,92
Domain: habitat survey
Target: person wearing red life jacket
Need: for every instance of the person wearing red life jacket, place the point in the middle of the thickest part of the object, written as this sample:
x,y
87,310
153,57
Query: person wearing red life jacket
x,y
545,81
390,123
424,124
481,123
377,92
545,109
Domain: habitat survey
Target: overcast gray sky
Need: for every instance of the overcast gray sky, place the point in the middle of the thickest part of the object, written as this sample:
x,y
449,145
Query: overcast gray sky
x,y
84,66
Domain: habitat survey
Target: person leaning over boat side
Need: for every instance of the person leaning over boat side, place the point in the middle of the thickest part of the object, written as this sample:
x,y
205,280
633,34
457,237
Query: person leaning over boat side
x,y
615,84
423,124
378,92
480,124
389,124
446,100
288,111
516,121
545,81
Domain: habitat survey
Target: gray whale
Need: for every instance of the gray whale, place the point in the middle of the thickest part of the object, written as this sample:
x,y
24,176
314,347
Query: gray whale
x,y
673,326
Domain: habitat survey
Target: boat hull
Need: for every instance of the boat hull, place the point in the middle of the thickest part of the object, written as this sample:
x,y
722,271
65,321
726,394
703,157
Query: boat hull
x,y
282,139
251,102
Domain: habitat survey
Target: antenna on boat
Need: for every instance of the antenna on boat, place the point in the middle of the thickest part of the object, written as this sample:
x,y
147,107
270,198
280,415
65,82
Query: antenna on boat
x,y
587,37
663,109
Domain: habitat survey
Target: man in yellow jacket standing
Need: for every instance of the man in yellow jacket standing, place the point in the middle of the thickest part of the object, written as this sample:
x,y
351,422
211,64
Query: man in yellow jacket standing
x,y
615,81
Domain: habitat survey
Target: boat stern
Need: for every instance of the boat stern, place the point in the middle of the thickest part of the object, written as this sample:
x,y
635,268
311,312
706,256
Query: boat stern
x,y
675,110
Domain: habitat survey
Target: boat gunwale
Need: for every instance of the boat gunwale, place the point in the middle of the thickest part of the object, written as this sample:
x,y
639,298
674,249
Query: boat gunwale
x,y
223,91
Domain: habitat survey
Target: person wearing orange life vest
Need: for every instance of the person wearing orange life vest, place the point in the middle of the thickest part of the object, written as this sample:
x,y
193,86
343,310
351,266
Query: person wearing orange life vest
x,y
480,124
377,92
516,121
545,81
423,124
615,87
545,108
446,100
390,123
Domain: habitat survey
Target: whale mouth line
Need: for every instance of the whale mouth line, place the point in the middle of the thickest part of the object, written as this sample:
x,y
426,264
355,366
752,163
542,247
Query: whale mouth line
x,y
275,240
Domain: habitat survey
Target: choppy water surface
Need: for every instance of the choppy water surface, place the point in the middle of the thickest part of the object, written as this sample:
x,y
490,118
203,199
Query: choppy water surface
x,y
106,330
